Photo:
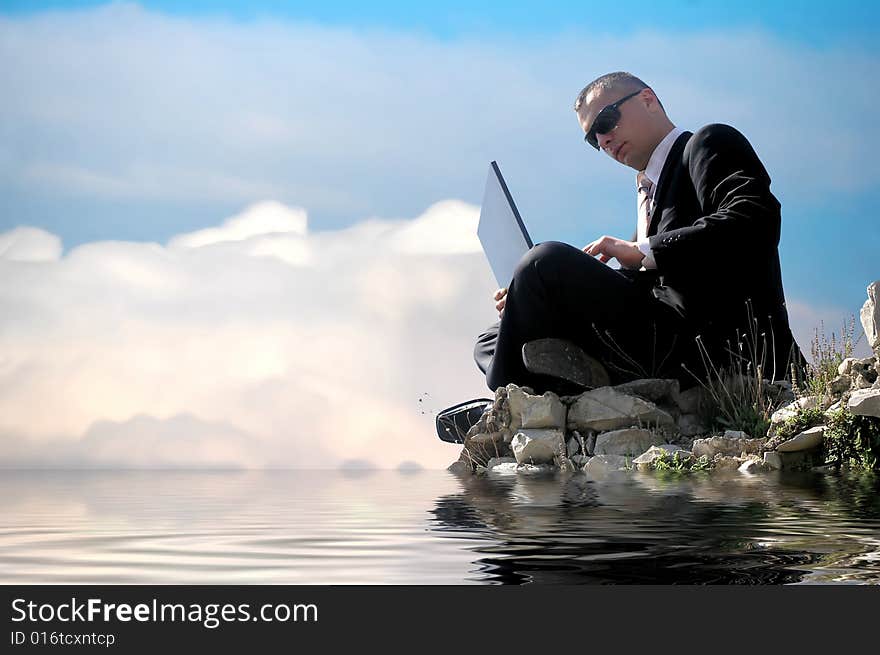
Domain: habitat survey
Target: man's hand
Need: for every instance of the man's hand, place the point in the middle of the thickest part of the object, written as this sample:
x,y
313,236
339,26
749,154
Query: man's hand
x,y
501,299
626,252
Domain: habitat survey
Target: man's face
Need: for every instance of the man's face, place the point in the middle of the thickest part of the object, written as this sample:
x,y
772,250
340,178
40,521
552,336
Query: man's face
x,y
631,141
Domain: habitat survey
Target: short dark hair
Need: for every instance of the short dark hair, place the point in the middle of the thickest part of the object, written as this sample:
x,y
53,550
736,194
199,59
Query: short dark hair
x,y
619,80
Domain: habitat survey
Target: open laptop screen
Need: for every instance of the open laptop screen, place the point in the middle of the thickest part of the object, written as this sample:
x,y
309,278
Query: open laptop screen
x,y
501,231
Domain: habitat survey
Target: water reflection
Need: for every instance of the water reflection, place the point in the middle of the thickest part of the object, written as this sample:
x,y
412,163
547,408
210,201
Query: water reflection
x,y
417,527
641,528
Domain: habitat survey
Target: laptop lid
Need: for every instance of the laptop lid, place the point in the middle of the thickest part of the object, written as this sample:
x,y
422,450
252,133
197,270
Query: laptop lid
x,y
501,230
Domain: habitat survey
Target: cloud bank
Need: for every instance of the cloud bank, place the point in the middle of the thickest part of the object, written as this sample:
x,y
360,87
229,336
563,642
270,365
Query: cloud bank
x,y
252,343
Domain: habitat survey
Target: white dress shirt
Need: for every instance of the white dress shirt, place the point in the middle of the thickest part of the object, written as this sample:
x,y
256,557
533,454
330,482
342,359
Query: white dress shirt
x,y
652,172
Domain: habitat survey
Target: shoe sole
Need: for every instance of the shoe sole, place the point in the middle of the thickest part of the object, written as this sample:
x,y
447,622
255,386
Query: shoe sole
x,y
564,360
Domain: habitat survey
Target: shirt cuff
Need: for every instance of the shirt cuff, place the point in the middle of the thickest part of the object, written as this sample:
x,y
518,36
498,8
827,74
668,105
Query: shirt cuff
x,y
645,246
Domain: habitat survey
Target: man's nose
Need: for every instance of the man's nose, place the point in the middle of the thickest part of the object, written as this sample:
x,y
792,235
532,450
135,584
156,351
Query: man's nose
x,y
605,139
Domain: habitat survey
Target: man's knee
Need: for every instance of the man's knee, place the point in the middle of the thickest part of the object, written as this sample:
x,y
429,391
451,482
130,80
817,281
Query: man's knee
x,y
545,256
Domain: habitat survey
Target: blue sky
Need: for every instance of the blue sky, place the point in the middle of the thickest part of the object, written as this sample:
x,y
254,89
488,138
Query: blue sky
x,y
228,176
811,21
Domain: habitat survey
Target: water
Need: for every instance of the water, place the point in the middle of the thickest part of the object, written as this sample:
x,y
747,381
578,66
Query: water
x,y
431,527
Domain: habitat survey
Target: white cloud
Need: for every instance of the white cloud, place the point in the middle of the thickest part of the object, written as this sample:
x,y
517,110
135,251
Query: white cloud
x,y
29,244
220,349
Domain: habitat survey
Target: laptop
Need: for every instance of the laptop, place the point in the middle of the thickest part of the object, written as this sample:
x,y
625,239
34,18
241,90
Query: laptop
x,y
501,230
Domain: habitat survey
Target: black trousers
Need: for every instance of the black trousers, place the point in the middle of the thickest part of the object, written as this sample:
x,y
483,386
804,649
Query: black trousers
x,y
560,291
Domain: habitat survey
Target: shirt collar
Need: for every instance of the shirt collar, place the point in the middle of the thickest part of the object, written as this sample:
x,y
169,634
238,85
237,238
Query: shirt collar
x,y
661,152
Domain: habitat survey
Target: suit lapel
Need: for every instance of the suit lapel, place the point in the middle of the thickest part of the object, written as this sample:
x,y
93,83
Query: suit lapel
x,y
664,184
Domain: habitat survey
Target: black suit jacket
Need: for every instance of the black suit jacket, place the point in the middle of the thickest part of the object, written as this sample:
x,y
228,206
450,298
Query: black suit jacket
x,y
714,234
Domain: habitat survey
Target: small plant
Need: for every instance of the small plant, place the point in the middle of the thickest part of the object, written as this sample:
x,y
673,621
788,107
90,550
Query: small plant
x,y
674,463
827,355
741,397
852,441
802,420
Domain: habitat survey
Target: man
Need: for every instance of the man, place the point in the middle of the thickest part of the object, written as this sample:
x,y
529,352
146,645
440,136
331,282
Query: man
x,y
699,285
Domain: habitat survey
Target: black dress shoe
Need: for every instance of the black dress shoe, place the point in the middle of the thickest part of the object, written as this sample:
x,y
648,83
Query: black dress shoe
x,y
557,358
453,423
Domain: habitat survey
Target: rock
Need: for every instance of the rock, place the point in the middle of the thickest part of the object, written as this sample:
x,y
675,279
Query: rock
x,y
459,467
752,466
608,409
870,316
845,367
580,460
647,458
865,402
798,459
839,384
773,460
726,446
604,463
780,392
694,400
690,425
573,447
537,446
505,468
788,411
806,440
654,390
725,463
529,411
861,382
735,434
541,469
486,438
629,441
498,461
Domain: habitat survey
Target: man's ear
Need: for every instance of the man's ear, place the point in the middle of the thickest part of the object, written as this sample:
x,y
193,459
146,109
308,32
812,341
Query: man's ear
x,y
651,102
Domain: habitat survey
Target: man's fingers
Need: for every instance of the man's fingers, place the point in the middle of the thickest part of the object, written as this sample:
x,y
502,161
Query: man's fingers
x,y
500,293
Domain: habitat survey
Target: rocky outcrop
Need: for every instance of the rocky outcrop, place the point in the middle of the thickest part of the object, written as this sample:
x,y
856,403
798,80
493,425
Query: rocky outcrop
x,y
641,423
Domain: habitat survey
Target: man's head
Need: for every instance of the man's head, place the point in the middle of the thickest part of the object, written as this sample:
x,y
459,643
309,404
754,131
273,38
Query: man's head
x,y
633,121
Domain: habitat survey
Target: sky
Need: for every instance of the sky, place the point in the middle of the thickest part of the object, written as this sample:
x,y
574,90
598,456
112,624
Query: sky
x,y
242,234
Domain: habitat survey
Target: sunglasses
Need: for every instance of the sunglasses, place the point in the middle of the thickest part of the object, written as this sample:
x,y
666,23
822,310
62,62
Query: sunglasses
x,y
606,120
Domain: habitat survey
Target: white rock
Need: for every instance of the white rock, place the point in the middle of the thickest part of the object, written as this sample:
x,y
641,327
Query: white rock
x,y
529,411
805,440
506,468
751,466
865,402
870,316
537,446
607,409
735,434
498,461
630,441
785,413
